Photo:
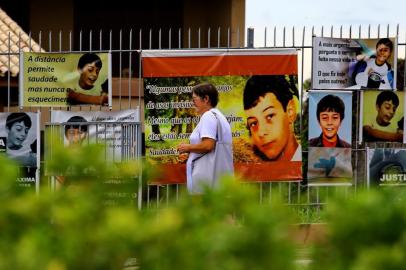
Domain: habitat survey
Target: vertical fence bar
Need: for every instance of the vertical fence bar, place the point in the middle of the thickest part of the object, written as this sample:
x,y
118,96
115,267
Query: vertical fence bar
x,y
228,37
100,40
90,40
284,36
198,37
274,36
130,67
159,39
50,41
150,39
70,41
170,38
238,38
80,41
218,37
60,41
369,31
9,72
359,32
179,38
120,64
189,38
208,37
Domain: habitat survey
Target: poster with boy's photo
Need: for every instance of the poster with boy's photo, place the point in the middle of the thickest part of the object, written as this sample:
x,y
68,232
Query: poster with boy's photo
x,y
65,79
386,167
354,63
87,127
330,115
257,93
330,119
382,116
19,141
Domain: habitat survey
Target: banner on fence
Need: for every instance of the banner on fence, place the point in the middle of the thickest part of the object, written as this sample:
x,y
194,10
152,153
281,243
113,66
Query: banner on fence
x,y
64,79
354,63
108,128
383,116
251,85
386,167
19,140
330,125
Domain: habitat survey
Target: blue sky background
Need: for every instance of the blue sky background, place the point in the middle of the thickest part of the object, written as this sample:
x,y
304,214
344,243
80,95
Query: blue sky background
x,y
261,13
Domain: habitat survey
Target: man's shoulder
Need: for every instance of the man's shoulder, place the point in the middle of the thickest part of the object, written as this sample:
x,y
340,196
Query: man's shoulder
x,y
315,141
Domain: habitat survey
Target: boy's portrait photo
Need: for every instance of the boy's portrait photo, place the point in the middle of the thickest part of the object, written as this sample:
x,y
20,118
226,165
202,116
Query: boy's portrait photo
x,y
383,116
76,130
374,68
271,111
330,114
87,91
343,63
19,134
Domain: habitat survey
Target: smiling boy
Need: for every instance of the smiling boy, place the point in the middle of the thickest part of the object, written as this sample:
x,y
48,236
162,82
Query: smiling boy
x,y
376,72
330,114
382,128
89,66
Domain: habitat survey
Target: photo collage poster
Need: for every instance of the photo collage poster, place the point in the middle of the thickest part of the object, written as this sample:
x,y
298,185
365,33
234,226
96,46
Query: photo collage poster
x,y
266,137
19,141
330,125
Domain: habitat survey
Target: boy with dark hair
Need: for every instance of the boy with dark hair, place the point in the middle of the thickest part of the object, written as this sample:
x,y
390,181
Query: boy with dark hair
x,y
330,114
75,133
382,129
375,72
18,125
271,112
89,66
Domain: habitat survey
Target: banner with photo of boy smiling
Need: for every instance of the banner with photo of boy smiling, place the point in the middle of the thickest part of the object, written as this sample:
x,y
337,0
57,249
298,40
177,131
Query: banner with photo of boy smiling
x,y
65,79
251,83
340,63
330,125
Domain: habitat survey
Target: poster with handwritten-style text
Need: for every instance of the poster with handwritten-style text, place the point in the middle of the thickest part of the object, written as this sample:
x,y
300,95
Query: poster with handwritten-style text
x,y
65,79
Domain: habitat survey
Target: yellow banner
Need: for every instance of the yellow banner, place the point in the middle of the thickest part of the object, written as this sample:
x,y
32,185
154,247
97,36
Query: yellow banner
x,y
64,79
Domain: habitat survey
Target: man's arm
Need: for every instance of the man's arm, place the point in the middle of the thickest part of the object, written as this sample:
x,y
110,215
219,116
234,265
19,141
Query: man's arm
x,y
79,98
382,135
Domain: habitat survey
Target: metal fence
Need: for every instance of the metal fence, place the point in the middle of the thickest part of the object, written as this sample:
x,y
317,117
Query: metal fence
x,y
125,47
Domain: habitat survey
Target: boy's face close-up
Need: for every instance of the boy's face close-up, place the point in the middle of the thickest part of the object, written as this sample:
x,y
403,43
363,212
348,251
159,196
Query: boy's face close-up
x,y
75,135
269,126
383,53
385,112
329,122
17,135
88,75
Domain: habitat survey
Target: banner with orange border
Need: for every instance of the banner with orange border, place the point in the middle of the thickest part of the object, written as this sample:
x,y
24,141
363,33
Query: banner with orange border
x,y
266,137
